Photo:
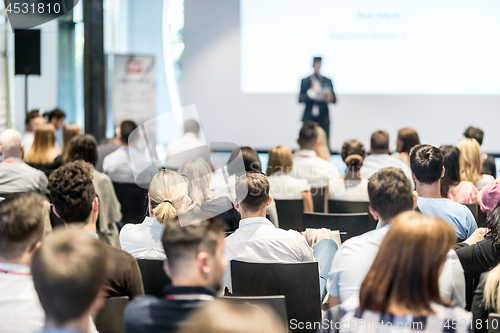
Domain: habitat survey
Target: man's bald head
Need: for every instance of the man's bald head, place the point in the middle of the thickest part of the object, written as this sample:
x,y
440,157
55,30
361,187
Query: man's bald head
x,y
10,144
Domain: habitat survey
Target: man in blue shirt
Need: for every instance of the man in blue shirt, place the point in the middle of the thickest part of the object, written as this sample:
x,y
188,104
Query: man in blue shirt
x,y
427,169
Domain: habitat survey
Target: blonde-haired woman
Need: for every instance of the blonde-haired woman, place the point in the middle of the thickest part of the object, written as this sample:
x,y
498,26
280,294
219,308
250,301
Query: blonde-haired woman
x,y
322,150
470,163
284,186
42,154
167,197
199,174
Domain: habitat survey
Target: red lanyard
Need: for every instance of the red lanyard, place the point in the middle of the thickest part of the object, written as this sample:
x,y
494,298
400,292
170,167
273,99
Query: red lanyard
x,y
14,273
9,161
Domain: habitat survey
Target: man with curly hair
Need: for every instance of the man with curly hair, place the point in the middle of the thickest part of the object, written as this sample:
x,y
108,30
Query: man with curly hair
x,y
73,196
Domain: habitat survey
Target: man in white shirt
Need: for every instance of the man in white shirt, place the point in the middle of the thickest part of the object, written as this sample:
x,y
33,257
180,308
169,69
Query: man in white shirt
x,y
258,240
127,164
21,232
15,175
390,194
306,164
182,150
32,121
379,157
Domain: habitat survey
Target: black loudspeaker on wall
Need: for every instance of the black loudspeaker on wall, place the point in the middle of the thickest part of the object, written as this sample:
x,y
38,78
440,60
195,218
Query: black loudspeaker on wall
x,y
27,52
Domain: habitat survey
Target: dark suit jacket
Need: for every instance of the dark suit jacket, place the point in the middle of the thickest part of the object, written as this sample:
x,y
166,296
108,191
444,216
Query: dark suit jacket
x,y
323,106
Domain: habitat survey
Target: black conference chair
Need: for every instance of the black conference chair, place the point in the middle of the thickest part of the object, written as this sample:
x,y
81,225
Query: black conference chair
x,y
473,208
133,200
153,276
493,323
276,303
339,206
298,282
318,195
350,223
110,317
290,214
481,218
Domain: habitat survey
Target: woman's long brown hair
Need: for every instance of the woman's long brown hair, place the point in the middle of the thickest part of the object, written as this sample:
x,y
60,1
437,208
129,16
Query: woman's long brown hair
x,y
43,150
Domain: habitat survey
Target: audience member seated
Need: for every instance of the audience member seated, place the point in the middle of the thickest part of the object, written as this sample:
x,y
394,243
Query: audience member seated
x,y
182,146
69,276
284,186
400,292
69,132
407,139
489,197
486,300
199,175
452,187
258,240
307,165
43,154
482,256
470,163
427,170
322,150
21,232
167,197
120,164
15,175
107,148
379,157
73,195
32,121
195,265
488,161
351,187
85,148
224,316
390,194
56,117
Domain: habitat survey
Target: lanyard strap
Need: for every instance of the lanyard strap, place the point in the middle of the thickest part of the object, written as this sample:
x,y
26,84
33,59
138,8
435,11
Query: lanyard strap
x,y
14,272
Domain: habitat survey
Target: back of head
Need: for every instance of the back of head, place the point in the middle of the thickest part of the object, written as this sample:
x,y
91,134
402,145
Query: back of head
x,y
390,193
68,272
470,160
126,128
322,150
426,163
10,143
474,133
182,243
280,160
493,224
168,193
43,149
72,191
250,157
199,174
55,114
379,142
409,138
252,191
191,126
353,153
83,147
69,132
308,135
21,224
451,162
406,270
224,316
30,116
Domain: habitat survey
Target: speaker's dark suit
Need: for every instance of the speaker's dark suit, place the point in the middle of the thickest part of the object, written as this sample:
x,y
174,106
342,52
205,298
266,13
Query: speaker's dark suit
x,y
324,118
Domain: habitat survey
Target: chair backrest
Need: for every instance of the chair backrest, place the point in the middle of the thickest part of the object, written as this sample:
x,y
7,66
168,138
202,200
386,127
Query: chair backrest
x,y
277,303
290,214
153,276
473,208
318,195
110,317
353,224
133,201
340,206
298,282
493,323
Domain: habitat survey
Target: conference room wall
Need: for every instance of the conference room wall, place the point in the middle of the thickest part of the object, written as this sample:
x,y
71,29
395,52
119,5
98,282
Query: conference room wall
x,y
211,81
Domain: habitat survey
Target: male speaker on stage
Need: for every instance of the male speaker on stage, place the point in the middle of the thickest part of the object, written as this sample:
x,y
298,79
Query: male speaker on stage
x,y
316,91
